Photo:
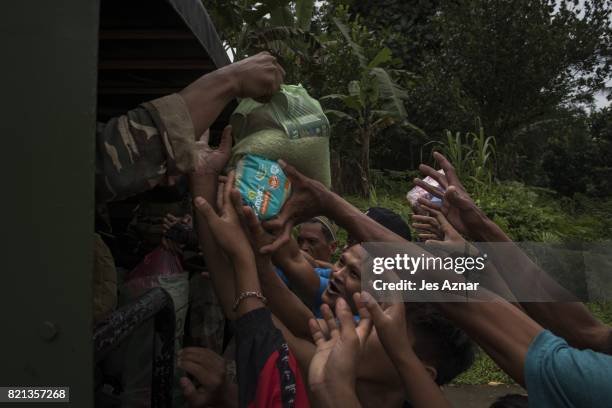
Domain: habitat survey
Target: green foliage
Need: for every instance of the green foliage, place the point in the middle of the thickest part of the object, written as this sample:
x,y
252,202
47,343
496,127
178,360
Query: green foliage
x,y
578,157
373,102
483,371
472,155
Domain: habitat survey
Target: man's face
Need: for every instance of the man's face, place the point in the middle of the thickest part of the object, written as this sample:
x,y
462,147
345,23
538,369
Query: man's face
x,y
346,277
312,240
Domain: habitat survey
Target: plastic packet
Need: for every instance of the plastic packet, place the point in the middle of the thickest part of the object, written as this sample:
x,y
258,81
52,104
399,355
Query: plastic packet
x,y
262,184
291,126
418,192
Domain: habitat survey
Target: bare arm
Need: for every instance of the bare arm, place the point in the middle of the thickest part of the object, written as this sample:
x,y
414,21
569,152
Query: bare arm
x,y
304,280
204,183
310,198
255,77
568,319
398,342
283,303
219,267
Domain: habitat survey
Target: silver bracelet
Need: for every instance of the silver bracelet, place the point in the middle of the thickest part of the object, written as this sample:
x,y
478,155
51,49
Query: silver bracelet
x,y
249,294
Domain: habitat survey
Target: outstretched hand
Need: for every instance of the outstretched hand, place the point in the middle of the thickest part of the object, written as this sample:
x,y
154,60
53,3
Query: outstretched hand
x,y
338,348
306,201
457,205
391,326
211,161
226,226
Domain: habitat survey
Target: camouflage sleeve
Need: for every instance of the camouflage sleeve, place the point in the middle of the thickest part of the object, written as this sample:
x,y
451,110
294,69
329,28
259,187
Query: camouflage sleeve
x,y
143,148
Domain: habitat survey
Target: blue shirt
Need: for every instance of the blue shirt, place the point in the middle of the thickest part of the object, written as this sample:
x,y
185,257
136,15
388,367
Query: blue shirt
x,y
558,376
324,274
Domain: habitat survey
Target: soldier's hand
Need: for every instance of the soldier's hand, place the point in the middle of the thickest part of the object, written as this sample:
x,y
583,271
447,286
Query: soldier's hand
x,y
259,76
209,160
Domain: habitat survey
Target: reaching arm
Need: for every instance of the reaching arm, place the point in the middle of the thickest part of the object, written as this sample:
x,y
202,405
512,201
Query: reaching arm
x,y
204,183
285,305
155,143
398,341
568,319
310,198
219,268
299,271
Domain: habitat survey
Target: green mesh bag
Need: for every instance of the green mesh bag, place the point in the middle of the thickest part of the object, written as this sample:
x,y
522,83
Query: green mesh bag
x,y
292,127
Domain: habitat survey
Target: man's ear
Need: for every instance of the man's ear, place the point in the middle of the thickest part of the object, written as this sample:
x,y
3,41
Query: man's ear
x,y
333,246
433,373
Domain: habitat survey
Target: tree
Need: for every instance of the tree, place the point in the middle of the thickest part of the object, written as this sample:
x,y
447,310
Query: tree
x,y
373,102
519,61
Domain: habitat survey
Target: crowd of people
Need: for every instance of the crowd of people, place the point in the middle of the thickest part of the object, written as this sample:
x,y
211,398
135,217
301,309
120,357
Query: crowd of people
x,y
305,332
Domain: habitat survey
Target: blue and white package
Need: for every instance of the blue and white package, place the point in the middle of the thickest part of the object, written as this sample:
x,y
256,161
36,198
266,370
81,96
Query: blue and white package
x,y
262,184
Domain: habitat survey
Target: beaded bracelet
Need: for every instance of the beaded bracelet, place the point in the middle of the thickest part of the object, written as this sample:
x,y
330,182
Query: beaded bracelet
x,y
245,295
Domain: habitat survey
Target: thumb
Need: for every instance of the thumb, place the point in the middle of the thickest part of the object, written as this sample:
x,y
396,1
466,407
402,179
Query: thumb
x,y
205,137
251,220
225,144
453,197
205,209
290,171
189,390
376,313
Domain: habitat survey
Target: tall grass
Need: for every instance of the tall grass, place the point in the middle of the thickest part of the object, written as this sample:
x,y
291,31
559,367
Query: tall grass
x,y
473,156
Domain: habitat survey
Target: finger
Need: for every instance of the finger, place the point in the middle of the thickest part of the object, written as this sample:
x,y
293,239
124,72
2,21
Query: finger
x,y
427,236
282,239
292,174
434,174
220,189
442,221
345,315
236,199
205,137
225,144
429,205
448,168
251,220
364,327
316,332
376,313
425,227
189,390
424,219
222,179
429,188
330,321
228,186
200,355
199,372
453,197
205,209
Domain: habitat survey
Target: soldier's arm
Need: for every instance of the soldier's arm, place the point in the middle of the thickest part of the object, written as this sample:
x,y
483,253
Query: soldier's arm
x,y
147,145
155,142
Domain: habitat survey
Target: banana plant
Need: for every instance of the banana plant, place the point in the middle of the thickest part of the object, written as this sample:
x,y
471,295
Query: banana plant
x,y
372,103
281,27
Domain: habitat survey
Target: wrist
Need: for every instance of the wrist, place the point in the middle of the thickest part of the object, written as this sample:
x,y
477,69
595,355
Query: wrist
x,y
203,184
243,259
228,76
486,230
